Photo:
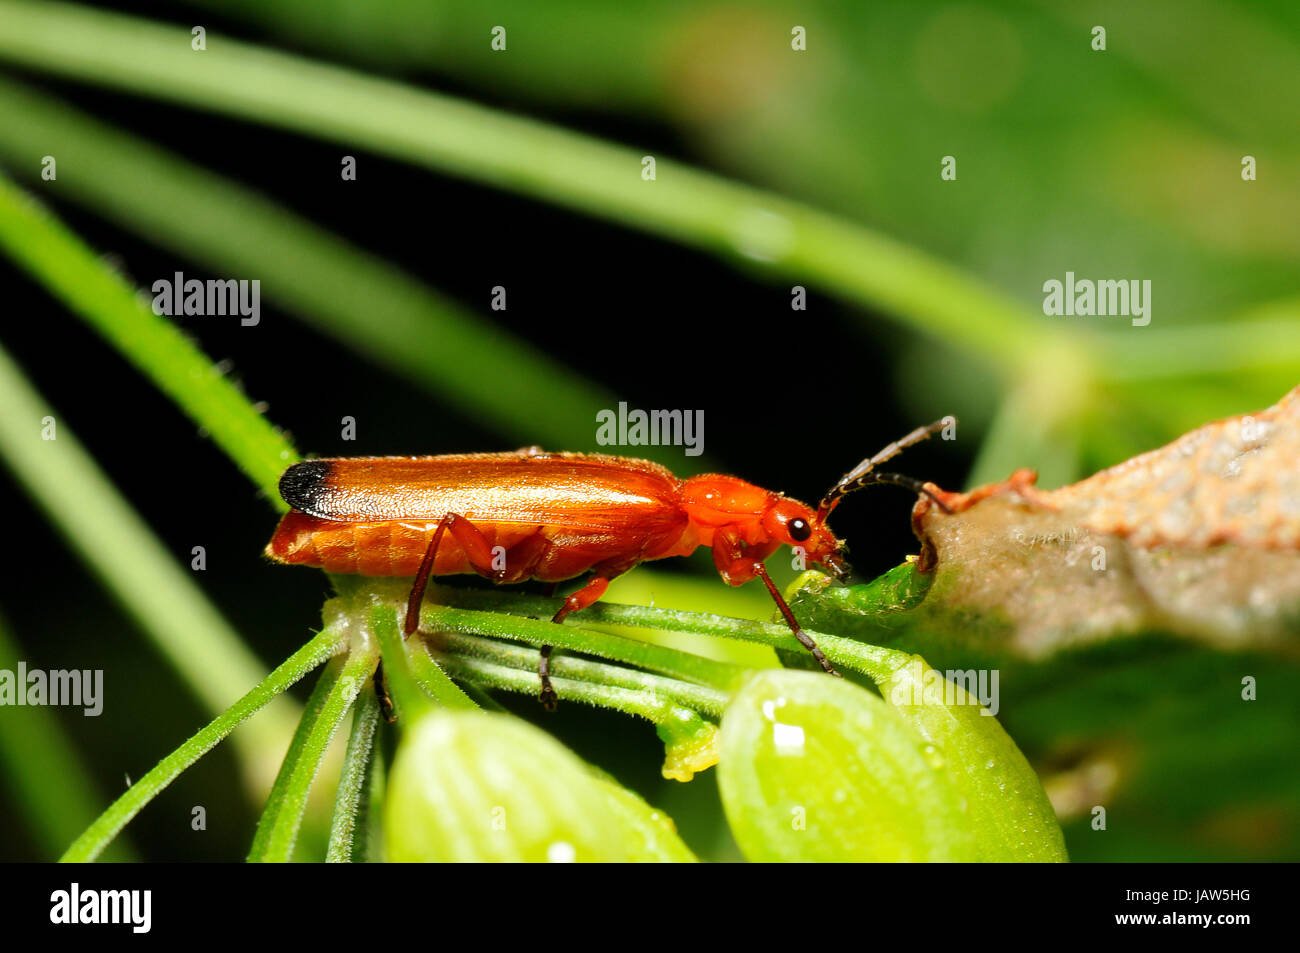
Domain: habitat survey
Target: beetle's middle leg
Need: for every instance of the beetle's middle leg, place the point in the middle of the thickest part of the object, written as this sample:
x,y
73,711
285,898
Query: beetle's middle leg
x,y
593,589
590,592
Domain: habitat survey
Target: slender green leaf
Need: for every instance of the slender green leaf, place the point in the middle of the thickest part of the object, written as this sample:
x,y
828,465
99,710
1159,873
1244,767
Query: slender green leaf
x,y
57,258
690,742
409,699
374,308
332,698
120,549
592,176
96,837
347,843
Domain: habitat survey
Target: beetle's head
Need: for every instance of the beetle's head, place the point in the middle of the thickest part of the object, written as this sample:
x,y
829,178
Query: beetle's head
x,y
797,525
794,524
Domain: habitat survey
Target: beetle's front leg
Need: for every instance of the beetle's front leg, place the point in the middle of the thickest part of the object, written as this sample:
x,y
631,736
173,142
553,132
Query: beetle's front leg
x,y
738,564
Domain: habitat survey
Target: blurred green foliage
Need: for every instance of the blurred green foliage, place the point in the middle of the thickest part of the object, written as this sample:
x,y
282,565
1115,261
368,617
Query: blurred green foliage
x,y
1117,163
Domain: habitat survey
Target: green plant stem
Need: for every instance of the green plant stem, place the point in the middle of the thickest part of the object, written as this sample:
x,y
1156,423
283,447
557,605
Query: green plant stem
x,y
1029,430
480,696
332,698
874,661
699,698
271,811
120,549
94,839
435,681
375,309
410,701
354,781
657,658
371,810
59,260
649,705
528,157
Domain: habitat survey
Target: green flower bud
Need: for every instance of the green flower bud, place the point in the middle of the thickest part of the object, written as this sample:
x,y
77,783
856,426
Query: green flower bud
x,y
1009,810
817,769
476,786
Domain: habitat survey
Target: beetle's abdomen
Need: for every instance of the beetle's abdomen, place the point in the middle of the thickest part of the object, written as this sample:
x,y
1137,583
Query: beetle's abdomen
x,y
387,548
370,549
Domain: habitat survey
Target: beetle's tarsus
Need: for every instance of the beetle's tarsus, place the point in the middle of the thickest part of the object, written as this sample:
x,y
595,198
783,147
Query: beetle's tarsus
x,y
547,695
817,653
386,707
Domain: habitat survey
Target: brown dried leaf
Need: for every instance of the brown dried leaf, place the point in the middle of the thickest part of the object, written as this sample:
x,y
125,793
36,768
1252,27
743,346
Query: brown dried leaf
x,y
1200,537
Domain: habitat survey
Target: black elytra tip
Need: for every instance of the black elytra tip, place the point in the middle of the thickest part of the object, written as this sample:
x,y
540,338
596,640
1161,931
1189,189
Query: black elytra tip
x,y
303,485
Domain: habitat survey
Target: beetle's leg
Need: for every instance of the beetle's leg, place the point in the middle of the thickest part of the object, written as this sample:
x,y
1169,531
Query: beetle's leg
x,y
737,564
421,582
522,558
734,560
591,592
547,695
804,638
471,540
381,691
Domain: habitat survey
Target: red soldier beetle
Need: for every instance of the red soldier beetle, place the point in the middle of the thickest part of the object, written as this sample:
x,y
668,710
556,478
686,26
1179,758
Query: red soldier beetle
x,y
551,517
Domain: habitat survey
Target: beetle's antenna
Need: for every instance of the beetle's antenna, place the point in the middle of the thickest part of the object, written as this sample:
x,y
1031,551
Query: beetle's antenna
x,y
864,473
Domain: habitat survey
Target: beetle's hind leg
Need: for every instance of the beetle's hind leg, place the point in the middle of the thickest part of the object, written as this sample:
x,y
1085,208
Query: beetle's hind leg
x,y
477,551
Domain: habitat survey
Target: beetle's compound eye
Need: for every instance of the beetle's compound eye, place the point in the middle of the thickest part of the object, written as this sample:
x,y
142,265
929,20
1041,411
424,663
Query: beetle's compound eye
x,y
798,529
